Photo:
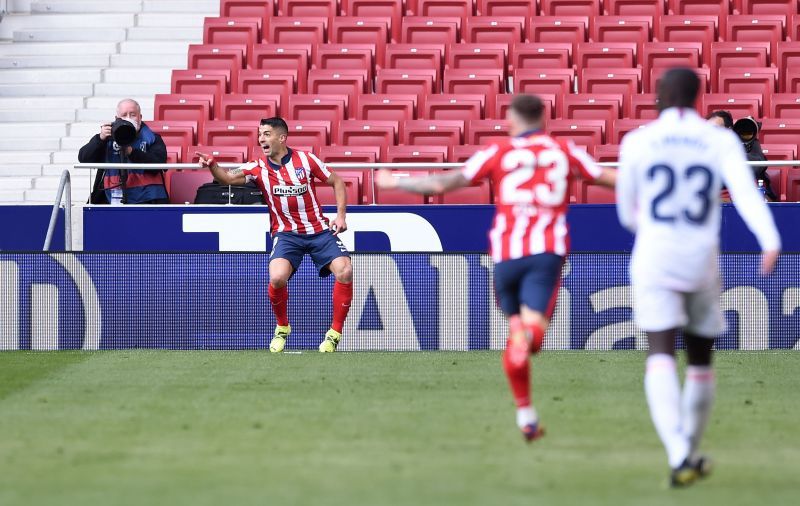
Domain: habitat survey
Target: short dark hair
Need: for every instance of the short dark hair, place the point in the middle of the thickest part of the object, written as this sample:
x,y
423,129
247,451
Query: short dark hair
x,y
678,88
277,123
528,107
727,119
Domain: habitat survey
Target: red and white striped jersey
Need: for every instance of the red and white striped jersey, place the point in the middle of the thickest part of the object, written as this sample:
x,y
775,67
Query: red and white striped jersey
x,y
531,176
289,191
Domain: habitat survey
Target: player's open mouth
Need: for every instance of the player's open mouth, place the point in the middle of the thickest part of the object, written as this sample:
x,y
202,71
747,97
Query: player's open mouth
x,y
265,149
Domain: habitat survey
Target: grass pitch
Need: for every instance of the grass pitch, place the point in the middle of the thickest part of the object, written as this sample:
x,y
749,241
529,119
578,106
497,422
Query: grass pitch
x,y
154,427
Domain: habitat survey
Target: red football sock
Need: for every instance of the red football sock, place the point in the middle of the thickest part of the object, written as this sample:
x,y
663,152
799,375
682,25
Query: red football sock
x,y
279,298
516,363
342,296
536,333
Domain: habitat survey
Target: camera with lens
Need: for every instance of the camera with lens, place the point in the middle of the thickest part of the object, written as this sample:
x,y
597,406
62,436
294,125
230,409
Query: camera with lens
x,y
747,129
123,132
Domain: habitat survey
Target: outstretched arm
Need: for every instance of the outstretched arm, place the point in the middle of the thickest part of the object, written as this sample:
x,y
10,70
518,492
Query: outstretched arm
x,y
221,175
436,183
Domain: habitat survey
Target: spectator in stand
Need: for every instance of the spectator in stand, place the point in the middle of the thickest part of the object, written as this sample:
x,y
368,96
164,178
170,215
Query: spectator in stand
x,y
721,118
747,129
140,186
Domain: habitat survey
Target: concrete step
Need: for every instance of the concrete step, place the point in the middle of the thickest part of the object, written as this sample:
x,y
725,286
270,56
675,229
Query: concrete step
x,y
73,144
20,170
45,89
57,168
12,196
24,115
84,6
13,22
126,90
79,194
23,130
17,157
66,158
41,102
190,18
209,6
57,48
43,144
110,103
69,34
41,61
83,130
188,33
12,76
16,183
99,116
51,182
139,75
154,47
171,60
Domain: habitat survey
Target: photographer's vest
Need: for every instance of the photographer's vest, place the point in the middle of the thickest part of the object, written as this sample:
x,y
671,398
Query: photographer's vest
x,y
142,185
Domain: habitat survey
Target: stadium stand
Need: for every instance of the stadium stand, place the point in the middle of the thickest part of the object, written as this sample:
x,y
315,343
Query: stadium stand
x,y
384,74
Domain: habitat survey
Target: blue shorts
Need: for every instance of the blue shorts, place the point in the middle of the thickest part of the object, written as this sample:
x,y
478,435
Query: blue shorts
x,y
323,248
531,280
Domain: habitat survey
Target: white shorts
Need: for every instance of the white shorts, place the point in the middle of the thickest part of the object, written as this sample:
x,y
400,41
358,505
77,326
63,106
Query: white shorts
x,y
657,308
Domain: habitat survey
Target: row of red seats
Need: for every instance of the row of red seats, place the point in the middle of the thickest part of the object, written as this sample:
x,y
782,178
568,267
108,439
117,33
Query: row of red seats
x,y
394,107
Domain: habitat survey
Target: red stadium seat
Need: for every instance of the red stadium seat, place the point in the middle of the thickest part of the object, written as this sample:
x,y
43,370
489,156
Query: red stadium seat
x,y
793,27
592,193
229,57
489,82
786,152
418,82
416,154
787,57
462,152
782,7
656,72
654,8
738,105
757,28
638,29
620,127
368,133
792,185
312,133
353,189
606,153
605,55
415,56
444,8
477,193
386,107
261,9
586,133
670,54
785,105
229,133
425,30
484,131
735,80
592,106
689,29
224,154
278,84
399,197
719,8
200,82
349,82
350,154
424,132
503,101
494,30
739,55
306,30
346,56
271,57
197,108
791,80
389,9
499,8
643,106
183,185
174,155
557,82
781,131
307,8
331,108
778,176
570,7
358,30
541,55
453,106
176,134
619,80
477,56
572,29
248,107
242,31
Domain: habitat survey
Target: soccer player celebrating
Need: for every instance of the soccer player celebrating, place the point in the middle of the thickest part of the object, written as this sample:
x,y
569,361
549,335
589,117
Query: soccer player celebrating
x,y
668,190
531,173
297,224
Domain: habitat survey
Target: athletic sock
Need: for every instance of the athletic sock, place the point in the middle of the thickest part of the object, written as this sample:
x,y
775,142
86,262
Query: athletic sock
x,y
536,334
526,416
516,364
342,297
279,299
664,398
698,397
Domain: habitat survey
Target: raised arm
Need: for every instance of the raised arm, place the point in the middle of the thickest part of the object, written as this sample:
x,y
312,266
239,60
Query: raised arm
x,y
221,175
426,185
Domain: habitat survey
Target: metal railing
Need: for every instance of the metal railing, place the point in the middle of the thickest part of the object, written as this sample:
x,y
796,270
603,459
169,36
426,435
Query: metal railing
x,y
63,184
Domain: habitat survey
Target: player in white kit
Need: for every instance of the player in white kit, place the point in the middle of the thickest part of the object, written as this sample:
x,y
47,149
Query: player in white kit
x,y
668,187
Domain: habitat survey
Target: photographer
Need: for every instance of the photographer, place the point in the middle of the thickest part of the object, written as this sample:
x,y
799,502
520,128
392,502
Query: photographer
x,y
747,129
127,139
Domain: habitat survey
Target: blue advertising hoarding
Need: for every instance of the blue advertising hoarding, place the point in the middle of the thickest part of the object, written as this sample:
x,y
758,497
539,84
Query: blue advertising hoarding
x,y
24,228
417,301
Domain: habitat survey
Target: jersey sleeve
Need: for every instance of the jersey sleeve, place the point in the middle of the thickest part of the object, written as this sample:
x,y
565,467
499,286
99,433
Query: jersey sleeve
x,y
251,171
738,178
318,168
481,164
581,163
626,184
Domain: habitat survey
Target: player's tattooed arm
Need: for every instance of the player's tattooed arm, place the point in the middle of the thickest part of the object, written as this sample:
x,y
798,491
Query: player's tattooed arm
x,y
436,183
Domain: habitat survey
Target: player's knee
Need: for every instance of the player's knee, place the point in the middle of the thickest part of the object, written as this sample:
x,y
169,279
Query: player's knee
x,y
344,273
278,281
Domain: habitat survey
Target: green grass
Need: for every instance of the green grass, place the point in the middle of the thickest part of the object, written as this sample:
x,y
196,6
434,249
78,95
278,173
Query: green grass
x,y
229,428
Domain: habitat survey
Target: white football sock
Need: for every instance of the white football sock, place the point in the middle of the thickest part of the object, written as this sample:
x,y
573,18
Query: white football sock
x,y
698,397
664,398
526,416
